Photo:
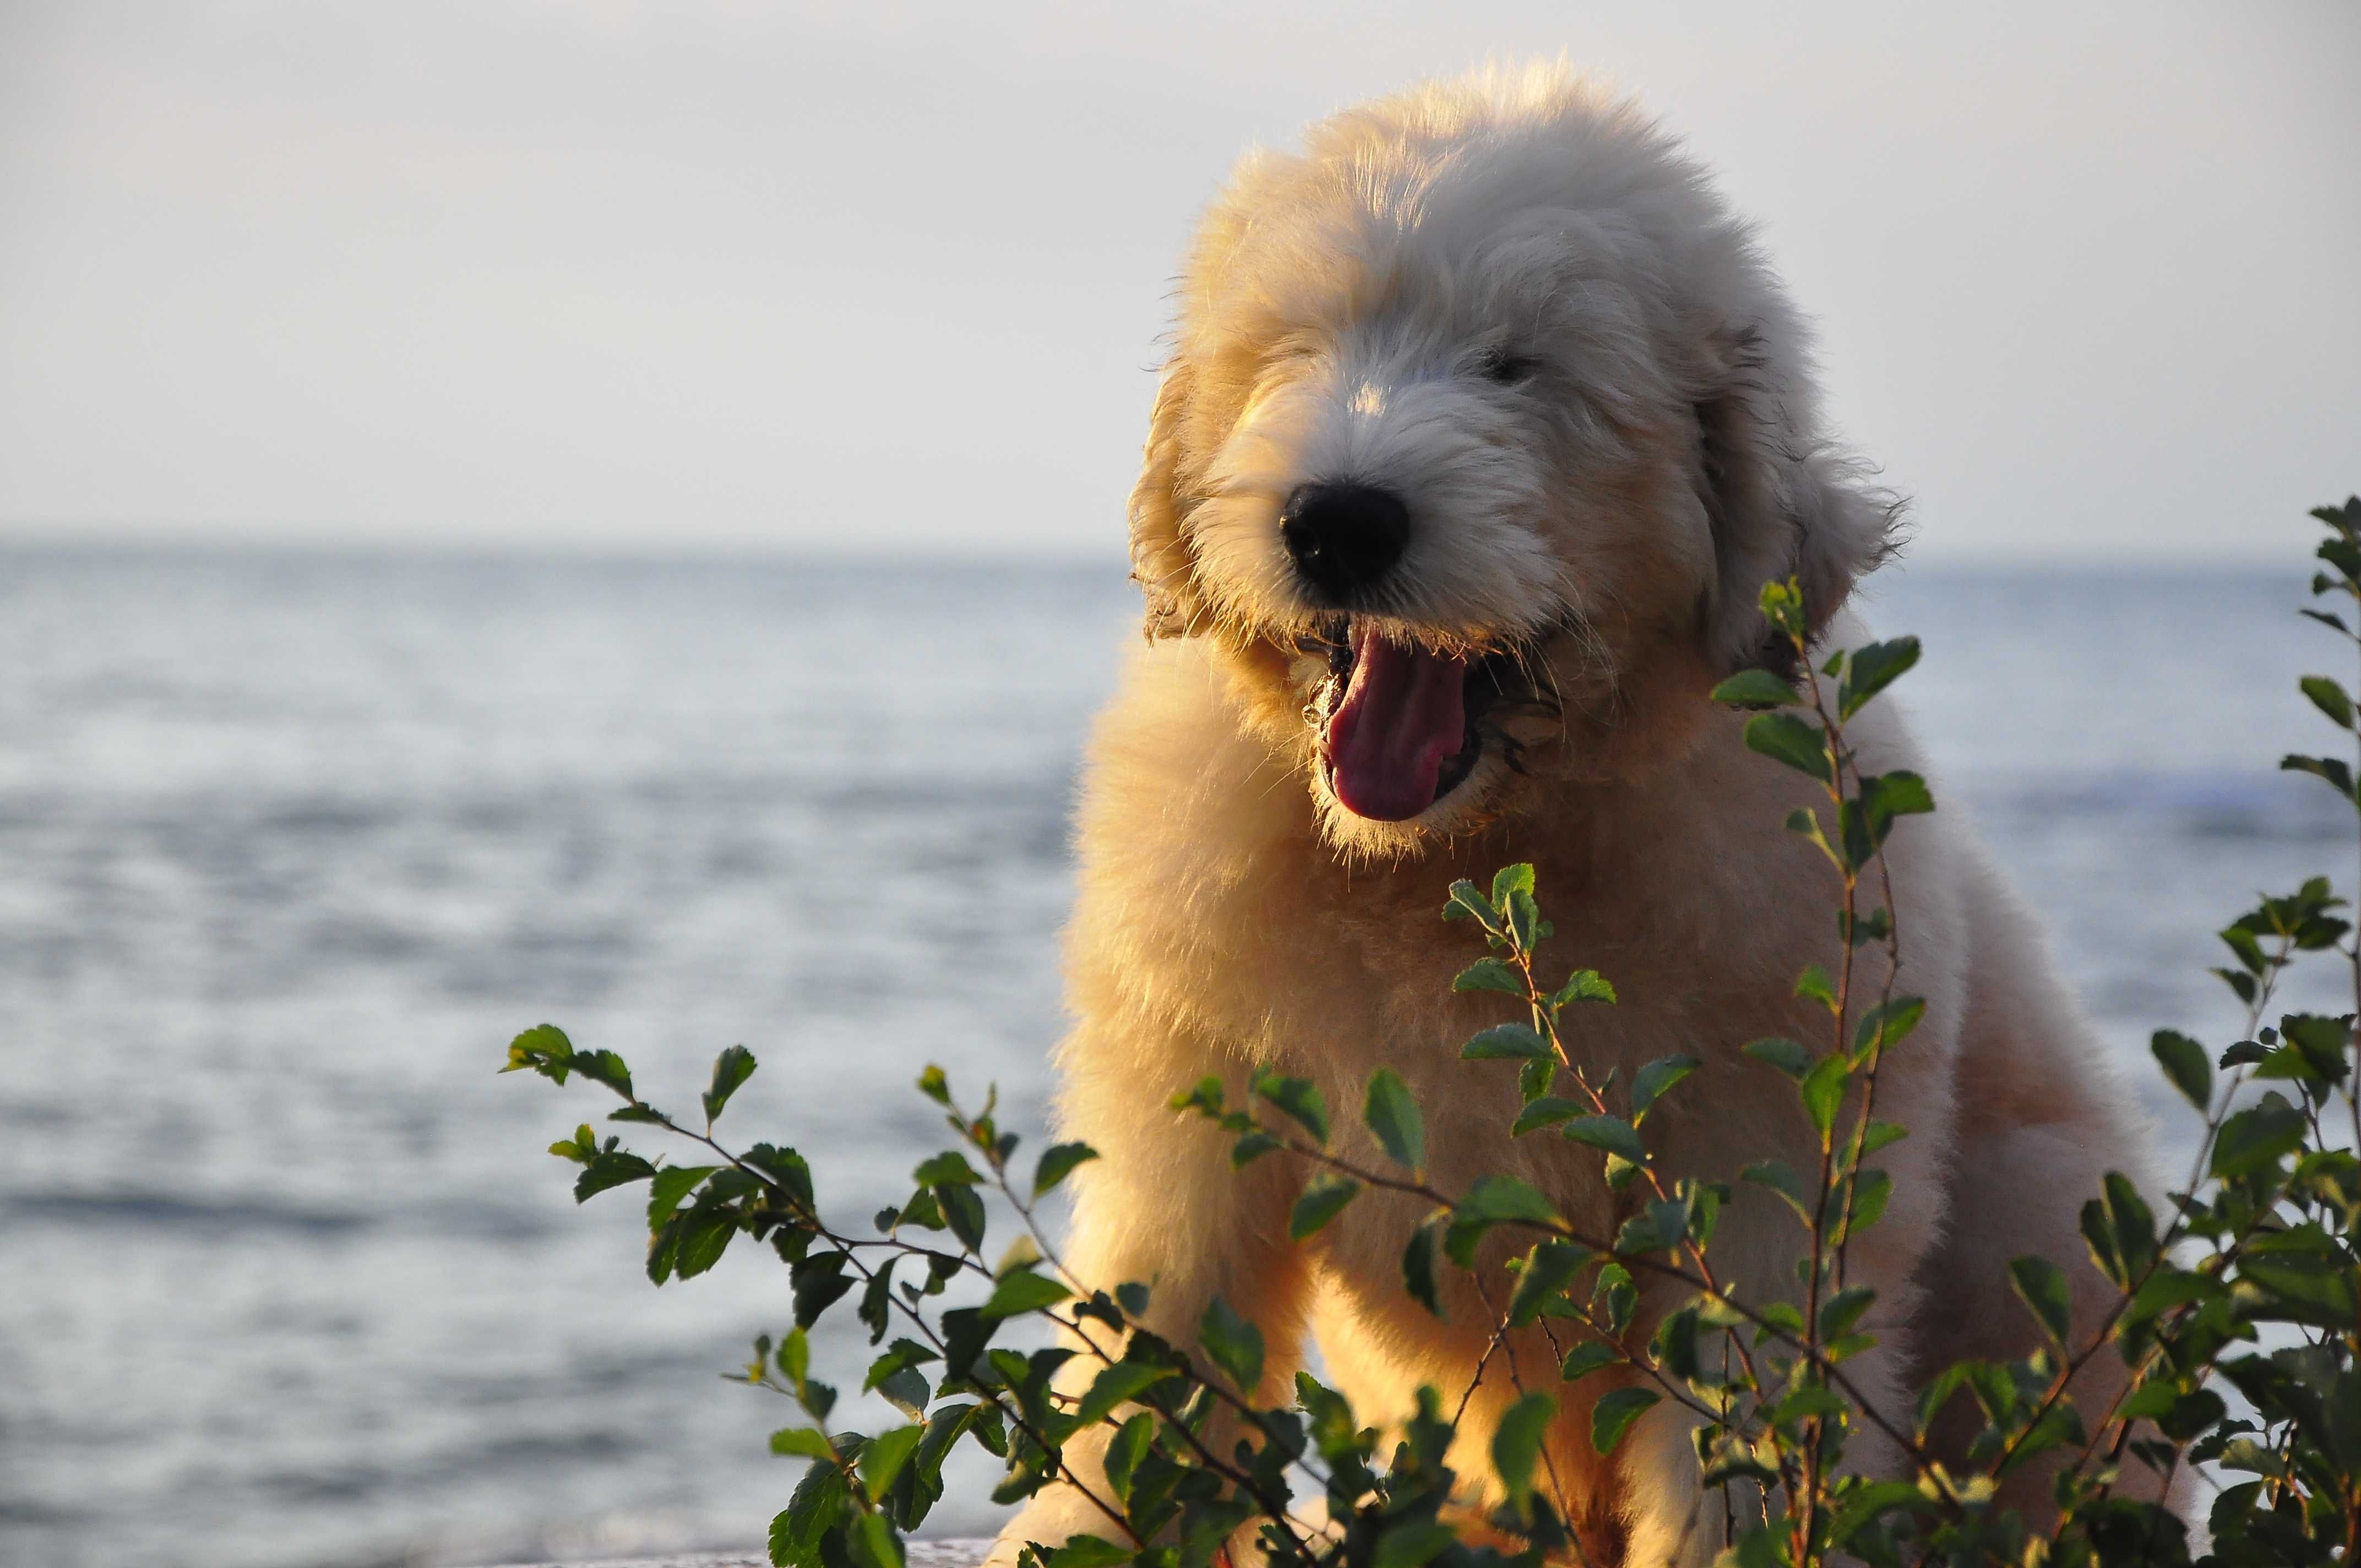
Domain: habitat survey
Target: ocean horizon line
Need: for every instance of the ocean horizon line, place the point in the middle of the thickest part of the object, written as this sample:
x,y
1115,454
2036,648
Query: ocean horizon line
x,y
52,542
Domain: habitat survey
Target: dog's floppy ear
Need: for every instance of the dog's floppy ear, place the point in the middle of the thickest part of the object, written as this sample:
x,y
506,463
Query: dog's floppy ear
x,y
1161,562
1781,503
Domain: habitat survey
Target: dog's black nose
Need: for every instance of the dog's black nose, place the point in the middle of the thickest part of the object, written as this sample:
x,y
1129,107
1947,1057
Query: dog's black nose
x,y
1344,537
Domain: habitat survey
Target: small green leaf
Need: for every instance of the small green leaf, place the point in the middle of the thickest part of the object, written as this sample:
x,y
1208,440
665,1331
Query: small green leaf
x,y
1823,1091
1784,738
1488,974
1418,1269
801,1443
903,1355
2241,942
1675,1345
795,1358
880,1546
1808,824
1022,1252
1783,1054
545,1049
1506,1041
906,1391
2183,1060
1510,881
1887,1025
1587,1357
1467,902
1783,607
1871,1191
1754,688
2330,699
1548,1268
1663,1226
819,1281
1648,1085
1872,669
1493,1200
1614,1414
579,1148
1546,1111
1522,918
1780,1178
1505,1199
883,1459
819,1503
1614,1293
1206,1098
2131,1223
1300,1099
1233,1344
2335,769
1057,1162
1022,1292
1841,1311
1873,926
1881,1136
1088,1552
2043,1289
963,1212
611,1168
2257,1137
1251,1147
1885,796
1583,985
948,1168
1612,1134
1118,1384
672,1184
1324,1197
2307,1269
603,1067
1130,1445
1517,1444
2321,1042
784,1168
731,1068
1390,1114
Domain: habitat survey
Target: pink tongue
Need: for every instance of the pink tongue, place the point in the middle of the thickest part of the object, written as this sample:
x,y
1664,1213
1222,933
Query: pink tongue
x,y
1402,715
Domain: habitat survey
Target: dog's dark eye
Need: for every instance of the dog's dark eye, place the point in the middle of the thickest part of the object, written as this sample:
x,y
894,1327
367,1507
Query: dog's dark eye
x,y
1503,366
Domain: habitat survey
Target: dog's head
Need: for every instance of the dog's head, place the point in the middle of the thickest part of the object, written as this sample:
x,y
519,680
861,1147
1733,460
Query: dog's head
x,y
1484,427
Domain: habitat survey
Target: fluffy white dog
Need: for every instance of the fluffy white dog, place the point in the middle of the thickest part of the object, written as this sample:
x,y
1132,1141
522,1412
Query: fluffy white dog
x,y
1485,424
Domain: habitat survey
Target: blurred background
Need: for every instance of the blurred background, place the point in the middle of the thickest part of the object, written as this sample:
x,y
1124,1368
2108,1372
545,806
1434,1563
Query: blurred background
x,y
612,513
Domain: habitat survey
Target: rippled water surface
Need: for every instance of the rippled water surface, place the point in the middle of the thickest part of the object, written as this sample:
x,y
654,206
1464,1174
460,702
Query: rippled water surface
x,y
291,845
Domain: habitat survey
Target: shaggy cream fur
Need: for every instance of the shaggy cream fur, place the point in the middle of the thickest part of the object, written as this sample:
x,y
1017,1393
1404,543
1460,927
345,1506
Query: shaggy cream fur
x,y
1513,302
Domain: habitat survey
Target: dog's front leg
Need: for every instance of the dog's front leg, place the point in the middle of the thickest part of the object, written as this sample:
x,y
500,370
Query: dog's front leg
x,y
1162,1206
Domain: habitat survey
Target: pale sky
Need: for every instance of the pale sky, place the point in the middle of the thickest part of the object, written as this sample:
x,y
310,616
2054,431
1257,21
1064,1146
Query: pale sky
x,y
868,276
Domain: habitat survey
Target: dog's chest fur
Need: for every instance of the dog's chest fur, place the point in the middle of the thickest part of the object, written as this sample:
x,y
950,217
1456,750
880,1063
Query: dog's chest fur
x,y
1236,940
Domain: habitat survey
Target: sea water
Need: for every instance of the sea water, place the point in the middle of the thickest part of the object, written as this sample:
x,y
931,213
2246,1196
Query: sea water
x,y
292,844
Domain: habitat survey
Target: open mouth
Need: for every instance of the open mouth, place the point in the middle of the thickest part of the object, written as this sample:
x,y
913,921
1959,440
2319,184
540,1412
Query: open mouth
x,y
1399,724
